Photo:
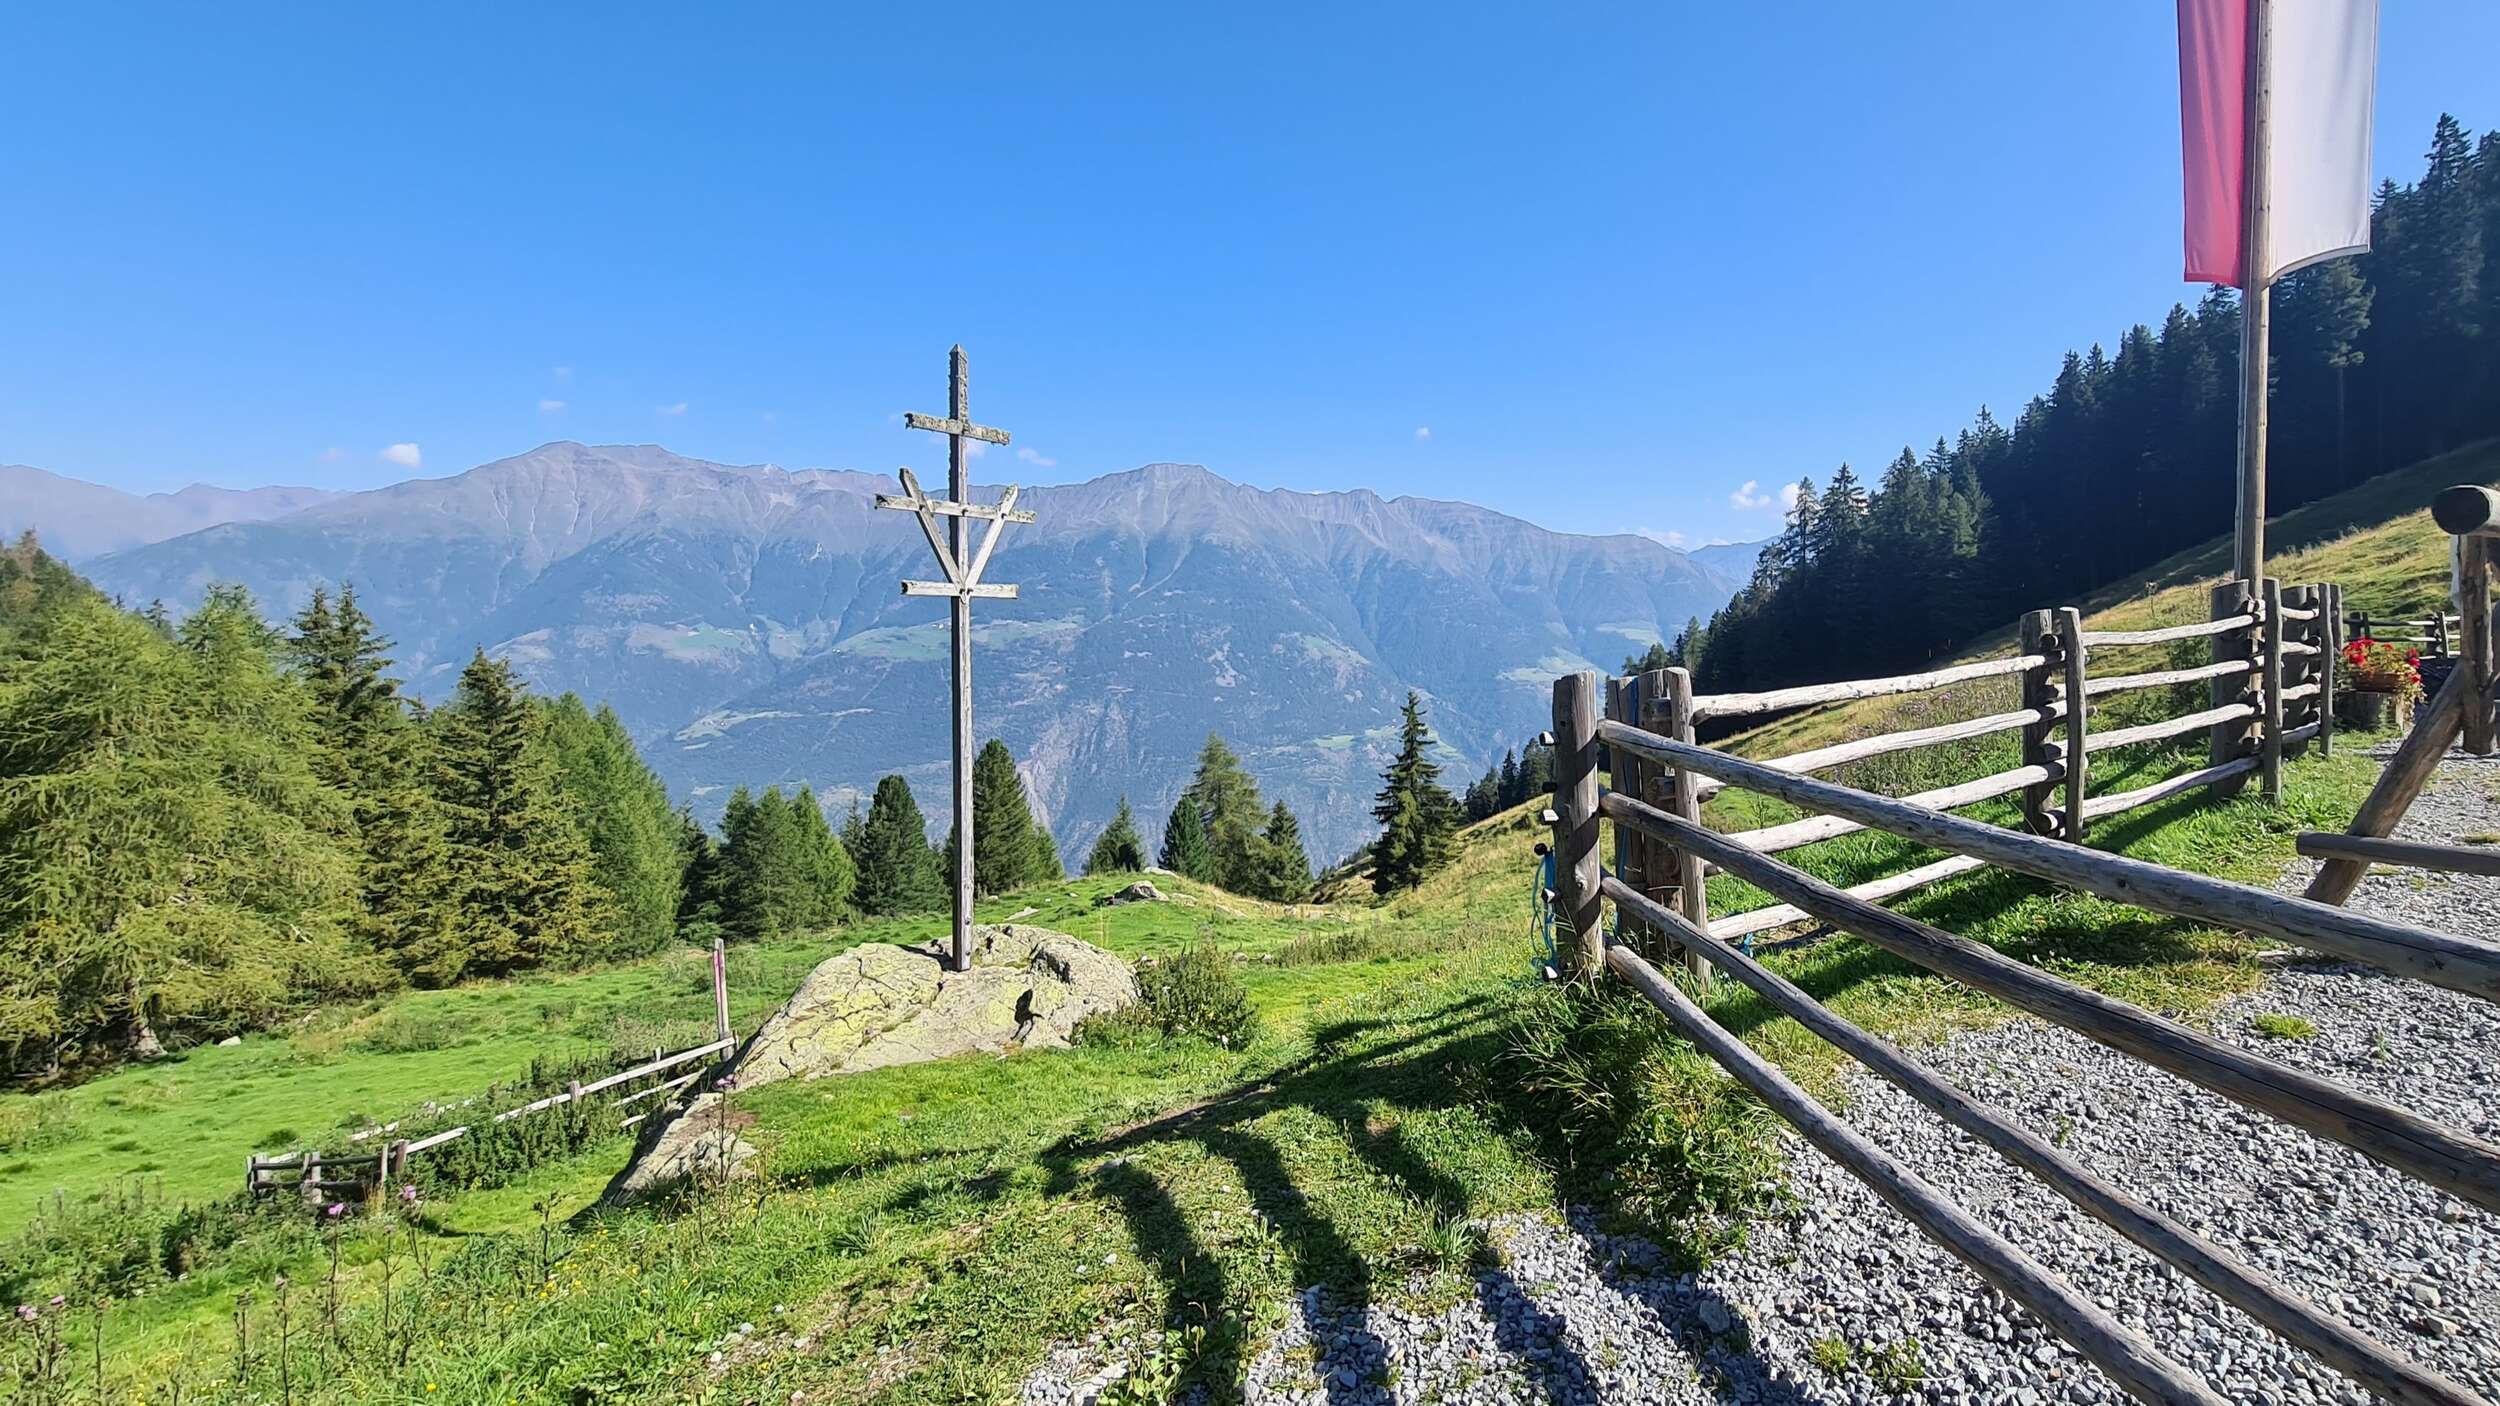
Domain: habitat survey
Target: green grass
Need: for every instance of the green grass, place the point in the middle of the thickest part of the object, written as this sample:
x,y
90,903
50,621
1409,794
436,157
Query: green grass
x,y
2277,1026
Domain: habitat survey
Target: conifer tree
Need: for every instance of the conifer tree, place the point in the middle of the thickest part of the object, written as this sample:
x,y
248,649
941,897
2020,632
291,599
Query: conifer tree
x,y
898,872
1008,849
636,842
1230,813
1119,849
1417,816
1185,843
523,874
1507,792
1286,869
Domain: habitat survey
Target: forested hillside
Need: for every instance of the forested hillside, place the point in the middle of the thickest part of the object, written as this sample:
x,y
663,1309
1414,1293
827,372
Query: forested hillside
x,y
2378,361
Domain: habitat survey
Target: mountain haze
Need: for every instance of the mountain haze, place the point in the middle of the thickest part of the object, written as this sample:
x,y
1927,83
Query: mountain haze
x,y
81,520
746,624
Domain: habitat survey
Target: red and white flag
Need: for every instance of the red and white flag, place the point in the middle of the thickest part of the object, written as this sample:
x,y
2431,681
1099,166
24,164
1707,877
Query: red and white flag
x,y
2321,65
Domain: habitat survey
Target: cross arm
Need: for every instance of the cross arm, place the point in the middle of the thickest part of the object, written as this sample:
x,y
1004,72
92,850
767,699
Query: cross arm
x,y
949,588
966,428
949,509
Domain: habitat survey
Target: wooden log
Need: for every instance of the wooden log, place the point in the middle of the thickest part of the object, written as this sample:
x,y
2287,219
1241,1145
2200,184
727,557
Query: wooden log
x,y
1840,753
2113,804
2036,636
2170,727
1576,861
1780,915
435,1140
2299,692
2451,859
2230,740
1773,839
2300,612
2439,958
2270,692
2474,639
1692,885
2219,625
2124,1354
2198,673
2077,696
679,1082
2467,510
2331,634
1732,705
2295,736
2459,1165
2331,1340
2399,782
1623,772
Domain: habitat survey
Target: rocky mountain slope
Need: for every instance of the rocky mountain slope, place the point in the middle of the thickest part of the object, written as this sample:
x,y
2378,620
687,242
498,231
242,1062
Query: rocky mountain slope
x,y
79,520
746,622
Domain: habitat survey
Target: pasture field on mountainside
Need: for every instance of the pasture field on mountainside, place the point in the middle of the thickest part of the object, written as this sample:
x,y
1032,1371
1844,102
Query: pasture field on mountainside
x,y
929,1233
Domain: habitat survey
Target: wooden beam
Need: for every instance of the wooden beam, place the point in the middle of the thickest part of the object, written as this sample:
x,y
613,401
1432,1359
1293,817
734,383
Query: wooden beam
x,y
2330,634
924,509
2333,1341
989,539
2077,697
945,508
2270,691
2408,1142
980,591
1773,839
1576,862
1692,885
1891,886
2170,727
2117,802
951,425
2403,778
2129,1359
2467,510
2451,859
2198,673
2220,626
2475,630
2439,958
1731,705
2036,636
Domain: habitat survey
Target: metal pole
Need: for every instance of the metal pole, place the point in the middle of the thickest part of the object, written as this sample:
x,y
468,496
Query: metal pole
x,y
959,488
2255,307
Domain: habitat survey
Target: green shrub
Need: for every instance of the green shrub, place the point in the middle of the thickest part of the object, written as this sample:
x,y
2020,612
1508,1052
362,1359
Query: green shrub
x,y
412,1032
131,1238
1194,992
31,1123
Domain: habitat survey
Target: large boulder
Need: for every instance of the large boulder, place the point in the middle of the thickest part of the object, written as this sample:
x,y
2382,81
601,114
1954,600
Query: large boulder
x,y
878,1005
696,1139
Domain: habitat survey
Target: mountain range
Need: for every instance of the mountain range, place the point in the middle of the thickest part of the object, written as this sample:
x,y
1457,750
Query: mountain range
x,y
746,623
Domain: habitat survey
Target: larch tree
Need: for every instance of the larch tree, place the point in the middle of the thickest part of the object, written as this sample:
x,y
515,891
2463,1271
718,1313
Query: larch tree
x,y
1417,817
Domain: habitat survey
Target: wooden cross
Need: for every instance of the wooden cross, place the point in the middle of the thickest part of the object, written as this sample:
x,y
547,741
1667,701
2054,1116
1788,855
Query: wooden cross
x,y
962,584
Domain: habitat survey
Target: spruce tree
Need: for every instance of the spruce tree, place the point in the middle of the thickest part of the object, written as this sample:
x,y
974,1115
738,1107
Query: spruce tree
x,y
1230,812
622,810
1417,816
1119,849
1185,843
898,872
1286,868
523,873
1507,791
1008,849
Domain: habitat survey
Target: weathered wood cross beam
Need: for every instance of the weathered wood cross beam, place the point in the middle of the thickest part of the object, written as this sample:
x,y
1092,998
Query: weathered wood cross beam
x,y
962,585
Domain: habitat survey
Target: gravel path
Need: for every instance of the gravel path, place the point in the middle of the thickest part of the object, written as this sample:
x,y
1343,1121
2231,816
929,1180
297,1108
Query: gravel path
x,y
1573,1316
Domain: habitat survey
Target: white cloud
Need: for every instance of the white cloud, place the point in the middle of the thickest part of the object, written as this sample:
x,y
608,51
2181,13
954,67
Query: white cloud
x,y
1788,497
678,409
1423,432
1037,459
1751,498
550,406
333,455
1668,538
975,448
407,456
564,373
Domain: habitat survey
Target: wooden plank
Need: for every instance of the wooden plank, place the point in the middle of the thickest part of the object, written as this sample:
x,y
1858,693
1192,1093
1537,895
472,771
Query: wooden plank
x,y
2295,649
1692,891
2403,778
2293,612
2221,625
923,509
954,425
1623,771
2467,510
1577,906
989,539
2036,635
1774,839
2130,1360
435,1140
2451,859
2330,634
947,508
2170,727
2120,801
2077,697
720,991
1839,753
2270,692
2474,640
2439,958
981,591
2333,1341
679,1082
2294,736
1780,915
2298,692
2416,1146
655,1066
2198,673
1732,705
2229,740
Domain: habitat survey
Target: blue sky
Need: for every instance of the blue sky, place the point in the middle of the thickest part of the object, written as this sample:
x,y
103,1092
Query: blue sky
x,y
1598,267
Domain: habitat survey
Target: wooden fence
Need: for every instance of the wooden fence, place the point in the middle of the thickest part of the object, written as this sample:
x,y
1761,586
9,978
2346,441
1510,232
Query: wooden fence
x,y
320,1177
2465,710
2271,686
2268,697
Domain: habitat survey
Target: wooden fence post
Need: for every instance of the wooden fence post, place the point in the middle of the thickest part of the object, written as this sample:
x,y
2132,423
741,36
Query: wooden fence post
x,y
2474,633
2270,684
2330,659
1624,774
2078,765
2037,634
1684,801
2230,739
720,986
1576,861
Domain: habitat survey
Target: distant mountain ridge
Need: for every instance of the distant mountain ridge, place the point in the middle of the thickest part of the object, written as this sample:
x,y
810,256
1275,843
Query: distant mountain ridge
x,y
746,623
79,520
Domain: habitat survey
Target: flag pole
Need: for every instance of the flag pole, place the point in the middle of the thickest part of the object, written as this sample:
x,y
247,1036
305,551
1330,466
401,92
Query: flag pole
x,y
2255,306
